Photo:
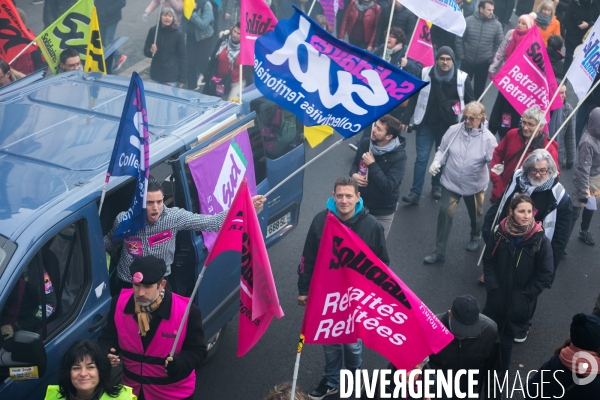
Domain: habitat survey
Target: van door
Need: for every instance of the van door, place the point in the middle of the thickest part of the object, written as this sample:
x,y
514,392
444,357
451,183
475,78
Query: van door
x,y
58,290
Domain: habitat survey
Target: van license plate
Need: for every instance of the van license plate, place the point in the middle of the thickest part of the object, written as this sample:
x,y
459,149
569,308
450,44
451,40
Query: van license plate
x,y
278,225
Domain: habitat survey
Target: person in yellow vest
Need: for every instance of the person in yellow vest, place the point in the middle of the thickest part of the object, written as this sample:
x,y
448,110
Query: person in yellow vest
x,y
85,374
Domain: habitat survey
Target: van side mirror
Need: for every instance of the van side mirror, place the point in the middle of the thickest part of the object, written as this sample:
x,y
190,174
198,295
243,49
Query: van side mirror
x,y
26,350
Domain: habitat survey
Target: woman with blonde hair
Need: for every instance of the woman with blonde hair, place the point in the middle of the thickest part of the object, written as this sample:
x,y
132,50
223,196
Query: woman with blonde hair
x,y
546,21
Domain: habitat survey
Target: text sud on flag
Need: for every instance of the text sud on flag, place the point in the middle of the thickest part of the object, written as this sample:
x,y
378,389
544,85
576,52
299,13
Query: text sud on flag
x,y
259,302
325,81
526,78
354,295
131,156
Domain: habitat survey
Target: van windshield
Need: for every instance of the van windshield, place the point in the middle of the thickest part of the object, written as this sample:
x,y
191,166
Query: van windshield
x,y
7,249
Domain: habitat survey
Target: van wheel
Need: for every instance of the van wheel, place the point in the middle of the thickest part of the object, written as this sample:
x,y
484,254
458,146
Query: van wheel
x,y
212,344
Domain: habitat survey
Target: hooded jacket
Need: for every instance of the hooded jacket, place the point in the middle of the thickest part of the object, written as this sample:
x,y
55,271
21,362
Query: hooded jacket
x,y
579,11
509,151
169,64
362,223
385,176
466,162
588,162
370,19
201,22
481,39
515,276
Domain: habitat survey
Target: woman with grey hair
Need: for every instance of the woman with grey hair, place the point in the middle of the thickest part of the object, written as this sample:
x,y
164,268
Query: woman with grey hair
x,y
465,153
511,147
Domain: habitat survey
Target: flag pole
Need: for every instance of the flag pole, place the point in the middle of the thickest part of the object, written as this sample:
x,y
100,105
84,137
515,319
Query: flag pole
x,y
187,310
311,7
572,114
387,35
103,194
303,167
240,81
485,91
157,24
411,38
297,366
22,51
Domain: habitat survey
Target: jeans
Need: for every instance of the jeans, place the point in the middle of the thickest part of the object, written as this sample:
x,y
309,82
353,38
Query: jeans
x,y
386,222
107,35
478,73
448,204
426,138
333,360
581,120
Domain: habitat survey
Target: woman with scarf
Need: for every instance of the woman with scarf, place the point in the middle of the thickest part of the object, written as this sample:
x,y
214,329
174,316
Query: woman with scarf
x,y
572,359
547,22
465,153
360,23
524,23
223,75
518,266
169,56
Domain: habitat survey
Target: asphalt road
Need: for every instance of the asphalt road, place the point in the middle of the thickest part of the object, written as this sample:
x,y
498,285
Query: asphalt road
x,y
412,237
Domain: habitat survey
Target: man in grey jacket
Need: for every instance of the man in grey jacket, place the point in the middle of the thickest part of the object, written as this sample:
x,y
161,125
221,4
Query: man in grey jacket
x,y
478,45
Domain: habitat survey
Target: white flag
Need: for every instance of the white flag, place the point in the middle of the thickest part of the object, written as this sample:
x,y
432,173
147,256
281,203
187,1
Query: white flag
x,y
583,70
444,13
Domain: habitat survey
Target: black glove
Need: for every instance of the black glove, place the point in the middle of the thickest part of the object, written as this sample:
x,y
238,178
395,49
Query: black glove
x,y
584,201
172,367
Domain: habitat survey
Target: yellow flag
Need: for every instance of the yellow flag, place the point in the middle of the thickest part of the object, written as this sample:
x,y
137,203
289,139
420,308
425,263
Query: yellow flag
x,y
71,29
316,134
94,59
188,8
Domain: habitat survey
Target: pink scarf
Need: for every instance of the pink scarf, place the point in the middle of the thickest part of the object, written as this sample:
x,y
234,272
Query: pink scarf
x,y
515,41
566,358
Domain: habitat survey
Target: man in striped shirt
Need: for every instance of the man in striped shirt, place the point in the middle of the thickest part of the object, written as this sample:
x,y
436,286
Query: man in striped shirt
x,y
158,237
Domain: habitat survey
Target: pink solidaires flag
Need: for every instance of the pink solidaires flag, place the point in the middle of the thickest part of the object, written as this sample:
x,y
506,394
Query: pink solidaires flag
x,y
256,20
527,78
259,302
421,48
354,295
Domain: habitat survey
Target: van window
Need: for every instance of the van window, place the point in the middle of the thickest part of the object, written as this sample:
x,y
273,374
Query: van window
x,y
281,131
50,289
258,154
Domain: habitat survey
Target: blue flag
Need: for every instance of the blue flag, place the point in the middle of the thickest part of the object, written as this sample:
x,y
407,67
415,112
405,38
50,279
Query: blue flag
x,y
325,81
131,156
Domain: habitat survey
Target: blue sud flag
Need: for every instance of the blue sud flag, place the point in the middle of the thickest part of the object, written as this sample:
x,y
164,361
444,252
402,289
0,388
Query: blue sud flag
x,y
131,156
325,81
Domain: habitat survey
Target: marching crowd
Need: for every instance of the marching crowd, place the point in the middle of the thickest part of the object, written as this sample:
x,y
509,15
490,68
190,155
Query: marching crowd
x,y
525,231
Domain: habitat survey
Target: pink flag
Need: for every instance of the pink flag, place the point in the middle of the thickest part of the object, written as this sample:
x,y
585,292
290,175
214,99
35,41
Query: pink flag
x,y
354,295
256,20
258,296
421,49
527,78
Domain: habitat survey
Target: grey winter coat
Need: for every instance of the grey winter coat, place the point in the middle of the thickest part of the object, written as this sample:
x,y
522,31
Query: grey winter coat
x,y
481,39
466,163
588,161
201,22
566,138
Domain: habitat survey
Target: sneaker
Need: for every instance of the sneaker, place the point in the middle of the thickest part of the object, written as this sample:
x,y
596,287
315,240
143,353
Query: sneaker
x,y
433,258
119,63
473,244
521,339
322,391
587,238
411,199
436,193
353,146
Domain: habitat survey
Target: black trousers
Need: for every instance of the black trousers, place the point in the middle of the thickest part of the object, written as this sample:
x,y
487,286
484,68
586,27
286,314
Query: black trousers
x,y
479,73
198,53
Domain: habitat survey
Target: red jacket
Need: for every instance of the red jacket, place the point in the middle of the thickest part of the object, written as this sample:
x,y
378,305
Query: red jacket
x,y
509,152
370,20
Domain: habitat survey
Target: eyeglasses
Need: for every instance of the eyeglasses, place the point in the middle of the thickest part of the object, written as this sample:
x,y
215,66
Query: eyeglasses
x,y
471,119
541,171
529,124
445,59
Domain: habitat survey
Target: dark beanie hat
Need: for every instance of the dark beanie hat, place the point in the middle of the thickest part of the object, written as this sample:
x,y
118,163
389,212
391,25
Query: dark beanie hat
x,y
445,50
585,331
147,270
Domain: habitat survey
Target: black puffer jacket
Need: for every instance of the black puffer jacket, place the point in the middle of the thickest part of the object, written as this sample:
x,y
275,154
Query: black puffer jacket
x,y
403,18
481,353
169,64
579,11
515,277
385,176
362,223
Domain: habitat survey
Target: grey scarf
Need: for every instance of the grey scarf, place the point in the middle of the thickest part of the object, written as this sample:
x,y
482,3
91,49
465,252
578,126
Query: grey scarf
x,y
543,20
233,50
443,78
364,6
528,189
379,150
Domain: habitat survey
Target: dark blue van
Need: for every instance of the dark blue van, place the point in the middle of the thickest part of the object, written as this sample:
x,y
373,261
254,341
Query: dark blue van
x,y
56,139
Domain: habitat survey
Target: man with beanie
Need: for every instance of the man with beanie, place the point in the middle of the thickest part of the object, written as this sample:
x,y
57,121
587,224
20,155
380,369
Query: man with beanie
x,y
438,106
476,345
572,372
141,329
477,46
